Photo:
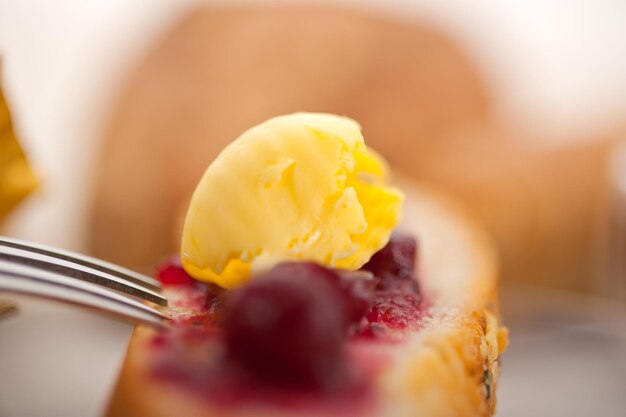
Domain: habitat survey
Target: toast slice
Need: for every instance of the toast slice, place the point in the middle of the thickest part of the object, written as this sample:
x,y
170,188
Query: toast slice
x,y
447,365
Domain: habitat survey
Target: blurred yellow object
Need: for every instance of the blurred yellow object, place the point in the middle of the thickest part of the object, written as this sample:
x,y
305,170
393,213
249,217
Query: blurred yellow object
x,y
16,177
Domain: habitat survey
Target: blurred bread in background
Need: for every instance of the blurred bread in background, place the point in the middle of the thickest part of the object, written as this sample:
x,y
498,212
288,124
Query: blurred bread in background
x,y
417,96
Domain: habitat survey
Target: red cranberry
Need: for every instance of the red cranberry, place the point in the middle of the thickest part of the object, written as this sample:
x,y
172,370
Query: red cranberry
x,y
171,272
310,271
287,329
395,261
358,293
354,288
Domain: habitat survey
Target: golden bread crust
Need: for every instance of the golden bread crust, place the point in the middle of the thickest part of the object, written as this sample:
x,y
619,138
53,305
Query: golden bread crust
x,y
453,372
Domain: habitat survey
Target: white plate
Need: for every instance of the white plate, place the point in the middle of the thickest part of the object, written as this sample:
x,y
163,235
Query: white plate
x,y
567,356
57,360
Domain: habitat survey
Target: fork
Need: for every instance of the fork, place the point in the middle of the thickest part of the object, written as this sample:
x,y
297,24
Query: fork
x,y
41,271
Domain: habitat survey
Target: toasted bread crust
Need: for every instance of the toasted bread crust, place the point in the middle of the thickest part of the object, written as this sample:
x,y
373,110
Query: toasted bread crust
x,y
454,371
452,366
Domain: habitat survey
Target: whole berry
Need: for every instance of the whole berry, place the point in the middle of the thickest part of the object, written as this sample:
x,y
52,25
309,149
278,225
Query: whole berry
x,y
396,261
286,329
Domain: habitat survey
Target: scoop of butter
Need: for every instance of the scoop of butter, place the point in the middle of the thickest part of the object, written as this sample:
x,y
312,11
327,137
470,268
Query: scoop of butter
x,y
297,187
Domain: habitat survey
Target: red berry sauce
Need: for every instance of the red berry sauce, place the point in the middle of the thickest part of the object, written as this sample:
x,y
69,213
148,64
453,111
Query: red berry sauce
x,y
170,272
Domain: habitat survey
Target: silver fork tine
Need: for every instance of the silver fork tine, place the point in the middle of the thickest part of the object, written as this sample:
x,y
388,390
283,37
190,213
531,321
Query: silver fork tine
x,y
84,260
19,279
71,270
81,267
